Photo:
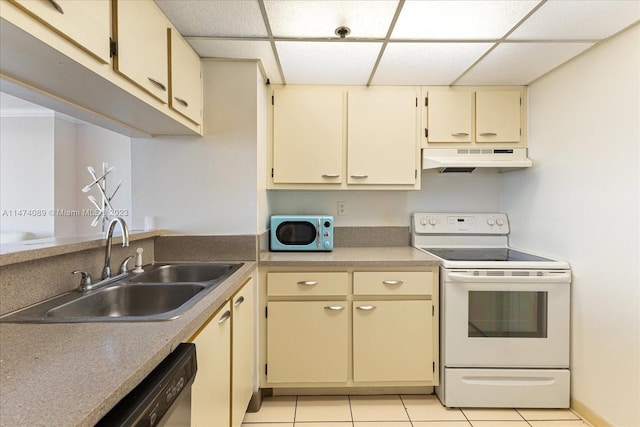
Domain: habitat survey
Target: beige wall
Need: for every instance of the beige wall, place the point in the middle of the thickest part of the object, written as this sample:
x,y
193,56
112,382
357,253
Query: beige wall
x,y
580,202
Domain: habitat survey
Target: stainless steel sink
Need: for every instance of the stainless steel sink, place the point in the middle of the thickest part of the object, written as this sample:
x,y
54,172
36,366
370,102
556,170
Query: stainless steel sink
x,y
162,292
192,272
129,301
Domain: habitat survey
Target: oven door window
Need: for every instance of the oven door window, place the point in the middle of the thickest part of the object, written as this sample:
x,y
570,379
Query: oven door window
x,y
507,314
296,233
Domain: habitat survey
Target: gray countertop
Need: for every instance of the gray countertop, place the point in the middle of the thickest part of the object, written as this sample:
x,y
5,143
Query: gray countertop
x,y
395,256
72,374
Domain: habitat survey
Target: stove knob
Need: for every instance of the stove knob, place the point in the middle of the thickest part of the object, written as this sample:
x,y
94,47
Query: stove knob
x,y
499,222
423,221
432,221
491,222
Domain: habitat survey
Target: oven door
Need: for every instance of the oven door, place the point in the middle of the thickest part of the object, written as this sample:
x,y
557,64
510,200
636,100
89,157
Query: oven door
x,y
506,318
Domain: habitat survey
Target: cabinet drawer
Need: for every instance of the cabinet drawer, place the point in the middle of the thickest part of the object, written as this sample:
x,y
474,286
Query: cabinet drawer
x,y
307,284
393,283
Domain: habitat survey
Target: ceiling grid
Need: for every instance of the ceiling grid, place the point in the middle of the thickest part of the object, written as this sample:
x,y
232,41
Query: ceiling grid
x,y
400,42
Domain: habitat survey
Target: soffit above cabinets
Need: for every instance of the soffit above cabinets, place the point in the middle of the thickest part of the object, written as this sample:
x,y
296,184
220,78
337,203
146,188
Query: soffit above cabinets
x,y
400,42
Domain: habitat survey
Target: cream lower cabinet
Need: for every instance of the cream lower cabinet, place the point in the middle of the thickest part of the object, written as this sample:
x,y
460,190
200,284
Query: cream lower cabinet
x,y
210,394
243,351
392,341
350,329
307,341
225,348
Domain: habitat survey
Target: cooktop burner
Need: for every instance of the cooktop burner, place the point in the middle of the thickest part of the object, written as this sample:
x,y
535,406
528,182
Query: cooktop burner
x,y
484,254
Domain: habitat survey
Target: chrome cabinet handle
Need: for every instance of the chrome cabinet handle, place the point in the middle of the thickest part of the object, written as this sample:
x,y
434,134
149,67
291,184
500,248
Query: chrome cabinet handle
x,y
330,175
157,83
366,307
307,282
392,282
359,176
238,301
57,6
181,101
334,307
488,134
225,316
460,134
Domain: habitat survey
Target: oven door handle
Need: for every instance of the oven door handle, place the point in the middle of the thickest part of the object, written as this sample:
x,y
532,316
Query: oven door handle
x,y
469,277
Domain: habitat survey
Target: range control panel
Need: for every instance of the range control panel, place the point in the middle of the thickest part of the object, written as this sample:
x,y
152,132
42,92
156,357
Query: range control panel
x,y
460,223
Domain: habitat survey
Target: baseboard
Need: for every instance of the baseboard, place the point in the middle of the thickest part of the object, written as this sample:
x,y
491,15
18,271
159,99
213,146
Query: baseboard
x,y
588,415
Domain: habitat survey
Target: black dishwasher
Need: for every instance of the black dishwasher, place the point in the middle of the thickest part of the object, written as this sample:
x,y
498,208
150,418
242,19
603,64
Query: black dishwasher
x,y
163,398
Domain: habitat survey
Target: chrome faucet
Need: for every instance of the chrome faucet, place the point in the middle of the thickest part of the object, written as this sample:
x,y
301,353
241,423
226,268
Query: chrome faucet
x,y
106,271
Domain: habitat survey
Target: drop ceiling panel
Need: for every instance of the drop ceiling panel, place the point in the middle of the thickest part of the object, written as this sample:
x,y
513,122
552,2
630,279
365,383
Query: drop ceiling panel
x,y
426,63
520,63
459,20
327,63
215,18
578,20
310,18
236,49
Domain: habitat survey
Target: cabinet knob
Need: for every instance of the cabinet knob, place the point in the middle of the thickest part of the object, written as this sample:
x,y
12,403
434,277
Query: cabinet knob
x,y
488,134
460,134
334,307
366,307
392,282
359,176
330,175
238,301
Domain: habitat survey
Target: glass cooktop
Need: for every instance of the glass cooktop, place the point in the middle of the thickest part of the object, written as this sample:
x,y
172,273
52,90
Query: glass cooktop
x,y
484,254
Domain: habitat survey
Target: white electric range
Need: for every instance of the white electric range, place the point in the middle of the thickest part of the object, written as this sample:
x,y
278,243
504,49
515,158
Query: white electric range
x,y
504,327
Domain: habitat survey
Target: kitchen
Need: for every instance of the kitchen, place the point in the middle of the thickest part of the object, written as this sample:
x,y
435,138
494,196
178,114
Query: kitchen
x,y
552,206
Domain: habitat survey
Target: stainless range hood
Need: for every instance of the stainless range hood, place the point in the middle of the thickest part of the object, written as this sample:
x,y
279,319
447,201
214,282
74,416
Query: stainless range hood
x,y
467,160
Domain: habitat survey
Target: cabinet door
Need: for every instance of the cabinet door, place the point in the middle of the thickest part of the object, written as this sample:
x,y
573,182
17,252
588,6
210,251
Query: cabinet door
x,y
210,394
392,341
87,24
186,79
382,136
498,116
449,116
244,351
307,341
142,45
307,136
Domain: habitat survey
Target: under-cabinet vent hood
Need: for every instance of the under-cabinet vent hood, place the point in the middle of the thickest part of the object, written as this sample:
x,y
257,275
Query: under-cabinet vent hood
x,y
447,160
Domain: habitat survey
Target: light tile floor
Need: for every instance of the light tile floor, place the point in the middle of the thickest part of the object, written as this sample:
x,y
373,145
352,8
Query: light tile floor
x,y
396,411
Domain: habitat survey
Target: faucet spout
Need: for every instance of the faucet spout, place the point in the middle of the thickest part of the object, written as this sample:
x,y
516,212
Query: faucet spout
x,y
106,271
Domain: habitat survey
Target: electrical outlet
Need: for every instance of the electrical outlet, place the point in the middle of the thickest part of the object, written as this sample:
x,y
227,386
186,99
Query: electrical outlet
x,y
342,208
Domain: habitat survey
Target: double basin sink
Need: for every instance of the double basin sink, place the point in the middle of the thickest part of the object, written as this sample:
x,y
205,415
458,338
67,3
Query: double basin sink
x,y
161,292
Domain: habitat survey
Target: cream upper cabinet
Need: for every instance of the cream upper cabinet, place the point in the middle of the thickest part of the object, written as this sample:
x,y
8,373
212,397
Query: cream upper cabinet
x,y
498,116
87,24
307,341
142,45
392,341
307,135
186,78
449,116
210,394
382,136
244,351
